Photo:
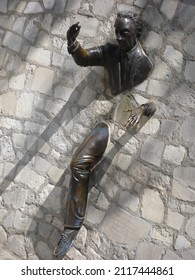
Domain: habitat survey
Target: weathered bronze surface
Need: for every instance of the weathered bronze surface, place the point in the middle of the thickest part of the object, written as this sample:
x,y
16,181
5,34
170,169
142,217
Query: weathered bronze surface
x,y
85,159
127,65
126,62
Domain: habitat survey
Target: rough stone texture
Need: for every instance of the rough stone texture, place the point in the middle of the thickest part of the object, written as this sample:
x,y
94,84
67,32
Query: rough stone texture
x,y
174,57
151,151
186,12
12,41
181,243
152,17
190,227
3,6
188,47
158,88
32,8
168,8
149,251
118,229
170,255
104,8
174,154
39,56
43,80
189,71
128,201
48,105
152,206
174,219
163,236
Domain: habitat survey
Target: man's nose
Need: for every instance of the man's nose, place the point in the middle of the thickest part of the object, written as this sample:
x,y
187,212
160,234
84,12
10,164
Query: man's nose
x,y
119,37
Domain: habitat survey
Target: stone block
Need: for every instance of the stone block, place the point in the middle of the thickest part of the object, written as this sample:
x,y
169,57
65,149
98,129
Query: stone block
x,y
174,154
57,60
103,8
190,43
152,17
15,198
152,150
43,80
186,15
18,26
181,243
89,26
151,127
174,219
33,8
24,105
6,147
30,178
169,7
8,103
3,236
188,254
60,27
12,41
3,6
16,244
161,71
152,206
185,176
128,201
17,82
39,56
2,55
124,161
174,57
182,192
31,31
43,251
6,22
158,88
168,127
94,216
170,255
190,226
189,71
48,4
73,5
102,202
153,42
55,174
124,228
149,251
163,236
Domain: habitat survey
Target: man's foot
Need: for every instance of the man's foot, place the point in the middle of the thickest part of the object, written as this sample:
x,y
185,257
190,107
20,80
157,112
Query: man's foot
x,y
65,242
147,110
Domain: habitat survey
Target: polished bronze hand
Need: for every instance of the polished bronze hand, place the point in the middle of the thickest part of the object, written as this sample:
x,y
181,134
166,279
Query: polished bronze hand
x,y
147,110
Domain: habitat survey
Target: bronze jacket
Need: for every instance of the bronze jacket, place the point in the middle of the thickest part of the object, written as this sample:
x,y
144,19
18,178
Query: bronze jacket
x,y
125,69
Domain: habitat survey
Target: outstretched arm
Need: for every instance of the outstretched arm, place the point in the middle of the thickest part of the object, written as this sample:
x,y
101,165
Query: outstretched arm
x,y
83,57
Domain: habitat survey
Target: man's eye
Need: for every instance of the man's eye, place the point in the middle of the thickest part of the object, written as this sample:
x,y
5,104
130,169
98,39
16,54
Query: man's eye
x,y
125,33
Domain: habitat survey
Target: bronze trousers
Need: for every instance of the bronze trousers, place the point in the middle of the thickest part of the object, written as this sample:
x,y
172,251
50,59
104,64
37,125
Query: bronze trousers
x,y
84,161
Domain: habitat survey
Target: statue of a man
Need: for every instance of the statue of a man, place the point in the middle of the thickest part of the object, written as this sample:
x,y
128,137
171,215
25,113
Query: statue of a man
x,y
126,62
127,65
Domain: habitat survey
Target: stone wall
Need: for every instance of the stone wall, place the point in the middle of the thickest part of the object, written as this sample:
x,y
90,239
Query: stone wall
x,y
144,205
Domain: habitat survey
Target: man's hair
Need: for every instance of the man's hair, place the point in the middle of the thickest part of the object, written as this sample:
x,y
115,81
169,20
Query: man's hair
x,y
135,18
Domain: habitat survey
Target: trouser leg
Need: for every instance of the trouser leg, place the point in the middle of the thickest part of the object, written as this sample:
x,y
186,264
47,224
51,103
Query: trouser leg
x,y
85,159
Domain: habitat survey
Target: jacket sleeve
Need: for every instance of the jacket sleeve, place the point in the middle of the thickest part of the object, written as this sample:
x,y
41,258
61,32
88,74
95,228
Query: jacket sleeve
x,y
87,57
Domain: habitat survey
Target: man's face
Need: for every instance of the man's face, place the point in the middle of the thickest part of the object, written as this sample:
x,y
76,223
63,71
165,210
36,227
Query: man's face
x,y
125,33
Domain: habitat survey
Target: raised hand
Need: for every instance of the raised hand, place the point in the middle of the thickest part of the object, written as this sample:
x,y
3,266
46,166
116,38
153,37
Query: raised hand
x,y
73,32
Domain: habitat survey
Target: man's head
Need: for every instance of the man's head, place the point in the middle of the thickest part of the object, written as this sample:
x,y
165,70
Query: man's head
x,y
128,28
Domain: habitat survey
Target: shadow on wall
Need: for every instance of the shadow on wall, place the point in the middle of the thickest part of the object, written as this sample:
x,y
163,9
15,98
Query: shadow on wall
x,y
46,222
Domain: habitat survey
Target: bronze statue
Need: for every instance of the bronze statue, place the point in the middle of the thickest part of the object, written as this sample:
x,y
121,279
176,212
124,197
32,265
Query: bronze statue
x,y
127,65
